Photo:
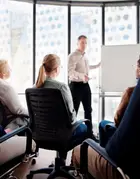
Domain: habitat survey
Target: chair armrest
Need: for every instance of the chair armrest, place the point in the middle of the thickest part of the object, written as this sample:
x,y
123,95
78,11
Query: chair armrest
x,y
12,117
18,115
77,123
84,154
13,133
24,128
110,125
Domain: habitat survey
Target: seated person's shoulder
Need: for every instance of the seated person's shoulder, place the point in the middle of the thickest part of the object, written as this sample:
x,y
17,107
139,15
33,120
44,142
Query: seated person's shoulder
x,y
64,88
62,85
55,84
130,90
5,86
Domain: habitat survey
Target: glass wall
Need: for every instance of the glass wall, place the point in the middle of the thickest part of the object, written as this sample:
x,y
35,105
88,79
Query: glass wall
x,y
120,29
51,35
111,105
5,39
21,29
120,25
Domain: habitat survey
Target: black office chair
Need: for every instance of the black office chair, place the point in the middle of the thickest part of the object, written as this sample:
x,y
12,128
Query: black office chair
x,y
51,127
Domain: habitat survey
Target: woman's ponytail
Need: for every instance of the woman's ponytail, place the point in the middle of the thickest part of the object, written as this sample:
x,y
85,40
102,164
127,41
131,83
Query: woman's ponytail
x,y
41,77
50,63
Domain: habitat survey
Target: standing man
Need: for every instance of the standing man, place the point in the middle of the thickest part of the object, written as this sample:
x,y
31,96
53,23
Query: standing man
x,y
78,71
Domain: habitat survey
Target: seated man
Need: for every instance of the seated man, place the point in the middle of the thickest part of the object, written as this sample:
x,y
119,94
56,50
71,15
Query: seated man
x,y
123,147
106,133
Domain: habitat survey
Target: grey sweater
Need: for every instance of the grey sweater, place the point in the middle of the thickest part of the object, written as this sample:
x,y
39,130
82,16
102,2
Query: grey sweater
x,y
10,99
51,83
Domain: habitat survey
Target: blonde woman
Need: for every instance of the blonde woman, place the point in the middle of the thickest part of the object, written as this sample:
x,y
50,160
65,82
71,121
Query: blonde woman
x,y
9,98
48,71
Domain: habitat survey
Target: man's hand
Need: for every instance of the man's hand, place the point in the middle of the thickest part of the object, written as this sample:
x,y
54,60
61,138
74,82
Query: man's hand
x,y
86,78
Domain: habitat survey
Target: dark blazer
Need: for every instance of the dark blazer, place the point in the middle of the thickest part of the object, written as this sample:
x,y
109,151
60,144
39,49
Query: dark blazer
x,y
124,145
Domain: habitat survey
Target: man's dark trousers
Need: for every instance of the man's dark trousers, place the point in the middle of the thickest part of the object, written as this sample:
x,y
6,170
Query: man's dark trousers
x,y
81,93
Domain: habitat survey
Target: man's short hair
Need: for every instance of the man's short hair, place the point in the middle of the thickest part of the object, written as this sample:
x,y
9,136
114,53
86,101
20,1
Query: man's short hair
x,y
82,36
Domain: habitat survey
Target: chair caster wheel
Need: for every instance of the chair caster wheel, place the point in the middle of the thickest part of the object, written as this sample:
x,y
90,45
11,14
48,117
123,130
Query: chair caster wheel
x,y
51,165
37,154
33,161
29,176
76,173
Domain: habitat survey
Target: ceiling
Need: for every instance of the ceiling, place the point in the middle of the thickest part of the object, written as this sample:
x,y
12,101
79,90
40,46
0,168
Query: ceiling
x,y
80,1
88,1
97,0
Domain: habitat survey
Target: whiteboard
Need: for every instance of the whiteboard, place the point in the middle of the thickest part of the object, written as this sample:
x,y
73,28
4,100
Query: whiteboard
x,y
118,65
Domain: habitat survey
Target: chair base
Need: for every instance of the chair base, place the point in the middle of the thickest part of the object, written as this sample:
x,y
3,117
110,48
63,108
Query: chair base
x,y
57,171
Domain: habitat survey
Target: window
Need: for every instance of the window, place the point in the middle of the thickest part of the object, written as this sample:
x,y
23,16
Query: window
x,y
87,21
16,26
111,105
120,25
20,21
51,35
120,28
5,50
16,41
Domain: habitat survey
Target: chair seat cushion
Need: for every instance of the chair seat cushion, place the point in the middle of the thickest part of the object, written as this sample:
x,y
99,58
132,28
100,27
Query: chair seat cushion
x,y
12,148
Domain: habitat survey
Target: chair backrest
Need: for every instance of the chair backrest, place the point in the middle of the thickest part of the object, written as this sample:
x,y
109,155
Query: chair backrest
x,y
50,119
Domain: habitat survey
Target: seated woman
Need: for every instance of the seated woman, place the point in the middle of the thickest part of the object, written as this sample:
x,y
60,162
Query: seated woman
x,y
9,98
48,71
104,132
